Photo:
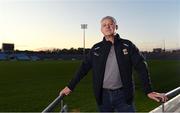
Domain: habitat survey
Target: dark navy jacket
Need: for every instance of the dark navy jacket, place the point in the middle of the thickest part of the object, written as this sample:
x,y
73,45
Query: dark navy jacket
x,y
128,56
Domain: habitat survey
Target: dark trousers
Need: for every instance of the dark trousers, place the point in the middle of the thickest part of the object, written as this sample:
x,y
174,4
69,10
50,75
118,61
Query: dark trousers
x,y
114,101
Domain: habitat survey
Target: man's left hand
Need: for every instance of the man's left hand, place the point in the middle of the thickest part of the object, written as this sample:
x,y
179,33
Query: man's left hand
x,y
159,97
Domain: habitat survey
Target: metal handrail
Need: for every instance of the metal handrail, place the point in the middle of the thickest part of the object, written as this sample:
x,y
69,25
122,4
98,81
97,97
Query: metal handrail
x,y
170,95
52,105
173,93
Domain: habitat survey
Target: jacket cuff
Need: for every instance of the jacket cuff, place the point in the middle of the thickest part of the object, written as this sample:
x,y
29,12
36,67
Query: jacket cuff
x,y
70,87
149,90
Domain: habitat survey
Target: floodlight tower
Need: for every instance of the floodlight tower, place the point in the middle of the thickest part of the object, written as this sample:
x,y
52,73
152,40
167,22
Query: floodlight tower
x,y
84,26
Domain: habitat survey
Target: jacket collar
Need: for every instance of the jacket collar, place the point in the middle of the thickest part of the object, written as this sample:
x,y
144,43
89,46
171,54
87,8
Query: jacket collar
x,y
116,39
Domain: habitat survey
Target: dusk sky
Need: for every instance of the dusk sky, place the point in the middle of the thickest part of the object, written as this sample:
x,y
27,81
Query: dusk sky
x,y
42,24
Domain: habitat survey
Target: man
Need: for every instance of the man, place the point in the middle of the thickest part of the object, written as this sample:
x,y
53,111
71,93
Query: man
x,y
111,61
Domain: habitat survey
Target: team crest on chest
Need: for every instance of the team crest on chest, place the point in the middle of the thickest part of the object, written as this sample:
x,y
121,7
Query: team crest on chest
x,y
125,51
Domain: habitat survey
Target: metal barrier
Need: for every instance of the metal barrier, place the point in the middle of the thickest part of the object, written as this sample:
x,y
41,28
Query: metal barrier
x,y
52,105
172,105
172,94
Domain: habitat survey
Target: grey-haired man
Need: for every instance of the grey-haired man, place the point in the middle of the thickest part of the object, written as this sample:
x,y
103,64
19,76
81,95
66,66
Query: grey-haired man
x,y
112,61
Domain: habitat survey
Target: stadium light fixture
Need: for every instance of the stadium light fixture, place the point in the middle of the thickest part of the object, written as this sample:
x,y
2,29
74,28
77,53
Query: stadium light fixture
x,y
84,26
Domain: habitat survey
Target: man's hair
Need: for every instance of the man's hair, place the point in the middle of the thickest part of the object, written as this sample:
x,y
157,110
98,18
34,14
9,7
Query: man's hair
x,y
111,18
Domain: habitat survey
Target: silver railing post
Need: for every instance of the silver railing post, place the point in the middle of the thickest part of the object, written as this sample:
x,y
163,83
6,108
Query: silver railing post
x,y
163,109
52,105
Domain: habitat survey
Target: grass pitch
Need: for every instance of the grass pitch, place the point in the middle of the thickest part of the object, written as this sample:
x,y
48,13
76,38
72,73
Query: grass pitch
x,y
31,86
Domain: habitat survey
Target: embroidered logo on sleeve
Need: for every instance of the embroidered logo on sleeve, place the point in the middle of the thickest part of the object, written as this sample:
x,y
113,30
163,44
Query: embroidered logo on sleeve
x,y
96,54
96,48
125,51
126,45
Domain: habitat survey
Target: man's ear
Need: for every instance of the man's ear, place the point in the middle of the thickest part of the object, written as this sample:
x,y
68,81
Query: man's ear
x,y
116,27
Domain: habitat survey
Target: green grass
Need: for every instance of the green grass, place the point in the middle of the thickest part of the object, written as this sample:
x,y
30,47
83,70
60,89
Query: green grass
x,y
31,86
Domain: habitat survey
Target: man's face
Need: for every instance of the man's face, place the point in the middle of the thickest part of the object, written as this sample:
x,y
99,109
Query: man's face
x,y
108,28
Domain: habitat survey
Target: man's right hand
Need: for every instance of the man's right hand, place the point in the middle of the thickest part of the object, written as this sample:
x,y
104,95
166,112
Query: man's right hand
x,y
66,91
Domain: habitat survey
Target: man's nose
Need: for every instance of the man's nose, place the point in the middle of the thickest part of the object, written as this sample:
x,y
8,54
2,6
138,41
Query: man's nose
x,y
108,26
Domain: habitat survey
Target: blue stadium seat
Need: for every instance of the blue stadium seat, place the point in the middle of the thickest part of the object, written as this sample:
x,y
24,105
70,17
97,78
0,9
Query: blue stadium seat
x,y
3,56
21,56
34,58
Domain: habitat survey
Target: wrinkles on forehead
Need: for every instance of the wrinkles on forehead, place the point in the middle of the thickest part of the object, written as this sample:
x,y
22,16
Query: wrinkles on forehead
x,y
107,21
109,18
